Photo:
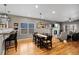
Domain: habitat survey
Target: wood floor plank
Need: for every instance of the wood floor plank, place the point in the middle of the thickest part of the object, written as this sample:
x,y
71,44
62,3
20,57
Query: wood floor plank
x,y
27,47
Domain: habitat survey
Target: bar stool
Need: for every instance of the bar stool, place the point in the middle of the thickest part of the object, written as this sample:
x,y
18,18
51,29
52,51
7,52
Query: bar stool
x,y
8,41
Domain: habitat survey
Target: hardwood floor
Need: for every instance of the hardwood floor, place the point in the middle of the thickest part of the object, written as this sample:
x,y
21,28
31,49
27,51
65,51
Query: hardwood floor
x,y
27,47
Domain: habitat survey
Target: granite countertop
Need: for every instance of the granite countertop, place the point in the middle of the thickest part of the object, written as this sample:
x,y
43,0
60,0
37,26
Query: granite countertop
x,y
6,30
4,33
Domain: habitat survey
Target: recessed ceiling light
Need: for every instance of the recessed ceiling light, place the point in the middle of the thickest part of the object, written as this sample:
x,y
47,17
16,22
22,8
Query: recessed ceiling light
x,y
53,12
36,6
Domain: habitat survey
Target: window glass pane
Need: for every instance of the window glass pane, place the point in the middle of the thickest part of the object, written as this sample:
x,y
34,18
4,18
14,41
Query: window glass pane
x,y
23,31
31,26
24,25
31,31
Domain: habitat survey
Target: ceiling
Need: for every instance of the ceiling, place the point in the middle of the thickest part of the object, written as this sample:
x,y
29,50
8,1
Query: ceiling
x,y
62,11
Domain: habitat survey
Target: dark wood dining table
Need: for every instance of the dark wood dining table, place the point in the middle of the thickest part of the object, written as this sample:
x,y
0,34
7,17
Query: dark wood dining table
x,y
41,39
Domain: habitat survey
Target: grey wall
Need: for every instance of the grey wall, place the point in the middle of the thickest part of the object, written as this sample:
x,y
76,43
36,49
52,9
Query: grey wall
x,y
74,22
19,19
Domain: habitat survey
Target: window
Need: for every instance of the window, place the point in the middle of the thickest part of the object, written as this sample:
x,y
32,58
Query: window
x,y
31,28
70,27
23,28
24,25
27,28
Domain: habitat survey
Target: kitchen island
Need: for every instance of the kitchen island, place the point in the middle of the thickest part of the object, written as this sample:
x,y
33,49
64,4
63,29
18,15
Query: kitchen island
x,y
4,34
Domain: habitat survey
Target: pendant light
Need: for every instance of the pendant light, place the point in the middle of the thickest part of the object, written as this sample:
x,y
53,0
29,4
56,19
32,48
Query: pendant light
x,y
70,19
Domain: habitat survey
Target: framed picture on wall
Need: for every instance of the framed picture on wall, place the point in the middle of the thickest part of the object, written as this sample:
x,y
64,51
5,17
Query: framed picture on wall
x,y
41,25
15,26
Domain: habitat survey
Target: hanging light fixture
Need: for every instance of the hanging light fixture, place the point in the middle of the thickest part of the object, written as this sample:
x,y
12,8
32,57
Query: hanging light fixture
x,y
70,19
4,14
40,15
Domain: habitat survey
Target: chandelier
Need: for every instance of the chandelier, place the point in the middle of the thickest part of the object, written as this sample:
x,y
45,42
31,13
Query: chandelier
x,y
4,19
4,15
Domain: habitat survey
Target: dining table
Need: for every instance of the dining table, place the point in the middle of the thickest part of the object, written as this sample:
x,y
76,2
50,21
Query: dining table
x,y
42,40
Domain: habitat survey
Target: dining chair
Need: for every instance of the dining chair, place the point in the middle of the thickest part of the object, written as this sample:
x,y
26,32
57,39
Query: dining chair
x,y
47,43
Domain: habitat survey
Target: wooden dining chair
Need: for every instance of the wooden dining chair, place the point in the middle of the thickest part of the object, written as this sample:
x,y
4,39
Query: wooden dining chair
x,y
47,43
